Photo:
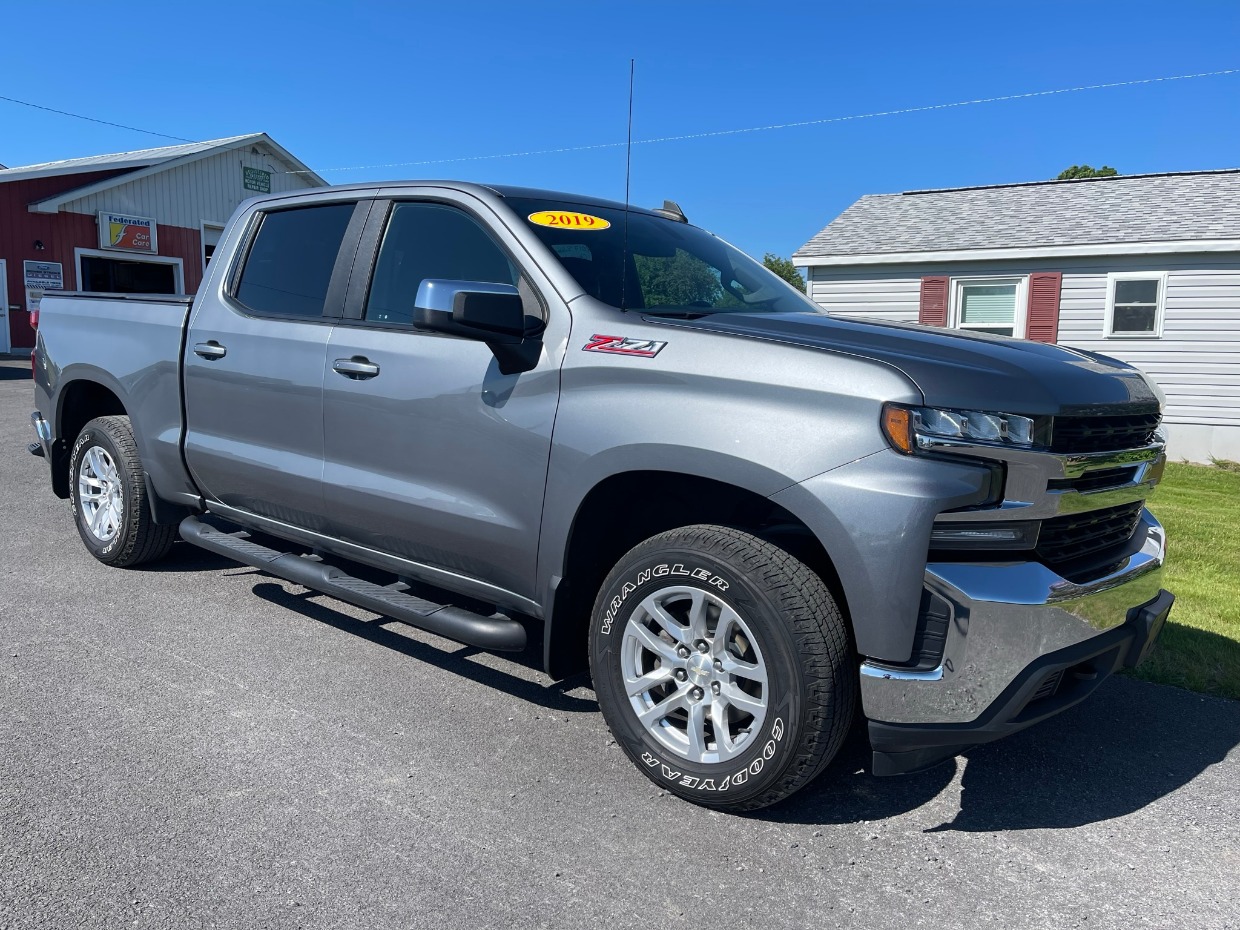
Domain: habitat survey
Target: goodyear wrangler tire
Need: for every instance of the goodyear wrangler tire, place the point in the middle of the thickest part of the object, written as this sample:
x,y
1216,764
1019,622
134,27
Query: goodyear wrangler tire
x,y
107,488
722,666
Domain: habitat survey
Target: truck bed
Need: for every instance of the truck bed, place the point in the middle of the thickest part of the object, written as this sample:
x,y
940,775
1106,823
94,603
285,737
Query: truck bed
x,y
132,345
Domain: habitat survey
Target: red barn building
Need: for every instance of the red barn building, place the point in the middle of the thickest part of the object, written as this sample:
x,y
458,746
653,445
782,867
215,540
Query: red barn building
x,y
133,222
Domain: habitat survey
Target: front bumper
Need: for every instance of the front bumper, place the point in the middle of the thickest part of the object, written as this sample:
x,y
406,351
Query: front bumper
x,y
1023,644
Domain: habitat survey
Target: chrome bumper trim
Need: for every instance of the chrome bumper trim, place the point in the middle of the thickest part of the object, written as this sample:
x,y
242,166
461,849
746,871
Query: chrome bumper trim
x,y
1027,494
1006,616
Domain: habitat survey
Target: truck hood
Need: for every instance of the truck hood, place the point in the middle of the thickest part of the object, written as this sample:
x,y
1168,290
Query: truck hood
x,y
957,369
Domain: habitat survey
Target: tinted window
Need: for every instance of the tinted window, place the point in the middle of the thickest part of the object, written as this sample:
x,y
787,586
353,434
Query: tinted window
x,y
117,276
290,263
425,240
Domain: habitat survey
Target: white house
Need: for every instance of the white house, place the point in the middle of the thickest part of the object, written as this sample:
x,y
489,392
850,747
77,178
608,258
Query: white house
x,y
1145,268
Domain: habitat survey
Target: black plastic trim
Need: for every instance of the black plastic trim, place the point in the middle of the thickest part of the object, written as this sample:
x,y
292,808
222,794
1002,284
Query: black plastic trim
x,y
493,633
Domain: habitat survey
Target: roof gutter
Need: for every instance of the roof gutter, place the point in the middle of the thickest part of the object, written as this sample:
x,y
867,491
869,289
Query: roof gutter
x,y
1054,251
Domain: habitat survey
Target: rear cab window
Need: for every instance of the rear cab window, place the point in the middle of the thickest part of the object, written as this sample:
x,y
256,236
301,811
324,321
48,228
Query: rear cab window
x,y
289,265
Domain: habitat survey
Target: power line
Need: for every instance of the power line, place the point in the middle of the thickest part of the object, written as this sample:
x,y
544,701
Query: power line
x,y
91,119
678,138
801,123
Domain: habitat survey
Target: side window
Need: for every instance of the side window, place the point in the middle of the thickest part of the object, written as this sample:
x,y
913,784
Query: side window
x,y
291,260
989,305
427,240
1135,305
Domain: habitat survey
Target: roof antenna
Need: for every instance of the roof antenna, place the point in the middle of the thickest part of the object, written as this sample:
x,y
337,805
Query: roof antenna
x,y
628,165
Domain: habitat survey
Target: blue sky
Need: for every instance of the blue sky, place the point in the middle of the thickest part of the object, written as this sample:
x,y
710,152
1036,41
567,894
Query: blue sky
x,y
372,84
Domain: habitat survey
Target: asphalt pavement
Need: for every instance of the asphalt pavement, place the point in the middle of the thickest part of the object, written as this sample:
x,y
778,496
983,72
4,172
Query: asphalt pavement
x,y
200,745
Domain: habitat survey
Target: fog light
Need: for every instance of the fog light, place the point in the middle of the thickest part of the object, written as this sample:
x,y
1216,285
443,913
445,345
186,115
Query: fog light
x,y
984,535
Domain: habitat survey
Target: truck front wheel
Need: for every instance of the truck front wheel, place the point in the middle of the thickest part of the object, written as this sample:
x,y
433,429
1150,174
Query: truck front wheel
x,y
723,666
107,487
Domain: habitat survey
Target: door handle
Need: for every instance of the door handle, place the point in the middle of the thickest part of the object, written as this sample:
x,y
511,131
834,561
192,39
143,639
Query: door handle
x,y
210,350
358,368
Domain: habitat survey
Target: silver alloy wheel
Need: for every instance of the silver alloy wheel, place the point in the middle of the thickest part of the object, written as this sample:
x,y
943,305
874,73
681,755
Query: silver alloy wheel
x,y
694,674
100,494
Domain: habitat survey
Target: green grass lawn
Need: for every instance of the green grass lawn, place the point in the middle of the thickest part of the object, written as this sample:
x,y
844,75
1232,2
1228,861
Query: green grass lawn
x,y
1200,647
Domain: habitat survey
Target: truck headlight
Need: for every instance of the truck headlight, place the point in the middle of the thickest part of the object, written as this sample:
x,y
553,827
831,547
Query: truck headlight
x,y
910,429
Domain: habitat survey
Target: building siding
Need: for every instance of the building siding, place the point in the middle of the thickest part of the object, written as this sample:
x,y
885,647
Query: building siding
x,y
72,231
179,199
1196,361
207,190
19,229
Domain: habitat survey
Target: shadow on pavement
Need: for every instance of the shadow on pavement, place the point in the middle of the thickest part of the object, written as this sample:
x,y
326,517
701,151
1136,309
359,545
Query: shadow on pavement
x,y
187,558
15,373
456,660
1127,746
386,631
1131,745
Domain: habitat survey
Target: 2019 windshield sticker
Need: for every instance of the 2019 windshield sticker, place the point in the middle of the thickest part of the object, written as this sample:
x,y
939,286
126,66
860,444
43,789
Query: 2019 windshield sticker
x,y
564,219
622,345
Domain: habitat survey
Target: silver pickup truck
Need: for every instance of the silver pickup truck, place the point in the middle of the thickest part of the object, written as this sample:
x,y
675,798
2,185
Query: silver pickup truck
x,y
500,414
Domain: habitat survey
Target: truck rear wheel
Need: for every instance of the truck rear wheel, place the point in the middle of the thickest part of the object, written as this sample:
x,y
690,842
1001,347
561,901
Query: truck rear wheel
x,y
107,487
723,666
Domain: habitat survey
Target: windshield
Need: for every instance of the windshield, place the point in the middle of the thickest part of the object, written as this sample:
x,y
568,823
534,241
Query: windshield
x,y
671,268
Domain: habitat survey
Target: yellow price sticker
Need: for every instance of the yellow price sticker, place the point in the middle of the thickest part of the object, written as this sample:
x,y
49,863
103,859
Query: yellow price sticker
x,y
559,219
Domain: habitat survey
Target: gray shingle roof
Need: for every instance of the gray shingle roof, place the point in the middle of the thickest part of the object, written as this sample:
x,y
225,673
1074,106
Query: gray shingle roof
x,y
1136,208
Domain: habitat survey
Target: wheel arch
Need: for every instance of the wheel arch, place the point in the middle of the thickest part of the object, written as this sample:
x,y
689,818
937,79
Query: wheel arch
x,y
82,397
652,501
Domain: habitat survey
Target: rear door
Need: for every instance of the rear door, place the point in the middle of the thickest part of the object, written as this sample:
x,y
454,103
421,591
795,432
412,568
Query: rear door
x,y
436,456
254,362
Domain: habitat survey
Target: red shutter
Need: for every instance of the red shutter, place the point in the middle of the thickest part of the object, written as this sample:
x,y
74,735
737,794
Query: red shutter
x,y
933,311
1042,323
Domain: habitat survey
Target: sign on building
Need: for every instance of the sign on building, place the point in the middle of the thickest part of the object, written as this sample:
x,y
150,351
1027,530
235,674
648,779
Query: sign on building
x,y
127,233
40,277
256,179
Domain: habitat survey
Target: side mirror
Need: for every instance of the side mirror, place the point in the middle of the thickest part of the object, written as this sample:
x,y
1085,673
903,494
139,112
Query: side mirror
x,y
491,313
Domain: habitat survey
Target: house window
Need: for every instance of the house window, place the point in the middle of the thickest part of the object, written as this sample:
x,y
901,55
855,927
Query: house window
x,y
989,305
1135,305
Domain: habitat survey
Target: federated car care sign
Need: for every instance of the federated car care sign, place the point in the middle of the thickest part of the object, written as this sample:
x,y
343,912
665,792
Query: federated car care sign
x,y
559,219
128,233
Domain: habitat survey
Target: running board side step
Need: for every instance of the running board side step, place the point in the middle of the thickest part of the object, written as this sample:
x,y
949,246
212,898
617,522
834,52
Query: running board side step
x,y
497,634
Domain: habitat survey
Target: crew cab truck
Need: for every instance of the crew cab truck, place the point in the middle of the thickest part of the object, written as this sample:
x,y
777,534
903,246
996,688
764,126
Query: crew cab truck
x,y
487,411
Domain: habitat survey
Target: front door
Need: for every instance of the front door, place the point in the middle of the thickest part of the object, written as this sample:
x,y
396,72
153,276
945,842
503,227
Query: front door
x,y
254,367
4,306
437,456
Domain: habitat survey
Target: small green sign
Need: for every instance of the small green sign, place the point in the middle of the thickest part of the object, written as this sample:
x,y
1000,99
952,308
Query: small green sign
x,y
256,179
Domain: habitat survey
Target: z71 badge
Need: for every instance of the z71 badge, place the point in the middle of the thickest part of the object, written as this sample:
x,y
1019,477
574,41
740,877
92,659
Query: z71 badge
x,y
622,345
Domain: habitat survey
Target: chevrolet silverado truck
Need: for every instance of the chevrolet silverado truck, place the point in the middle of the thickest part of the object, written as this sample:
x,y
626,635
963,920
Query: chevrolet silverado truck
x,y
498,413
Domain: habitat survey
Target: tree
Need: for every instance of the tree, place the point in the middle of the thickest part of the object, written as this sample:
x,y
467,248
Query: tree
x,y
679,281
785,269
1084,171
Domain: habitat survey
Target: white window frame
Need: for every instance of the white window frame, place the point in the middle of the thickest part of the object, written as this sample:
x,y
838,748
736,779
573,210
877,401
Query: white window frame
x,y
202,238
4,305
115,255
1019,316
1160,304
